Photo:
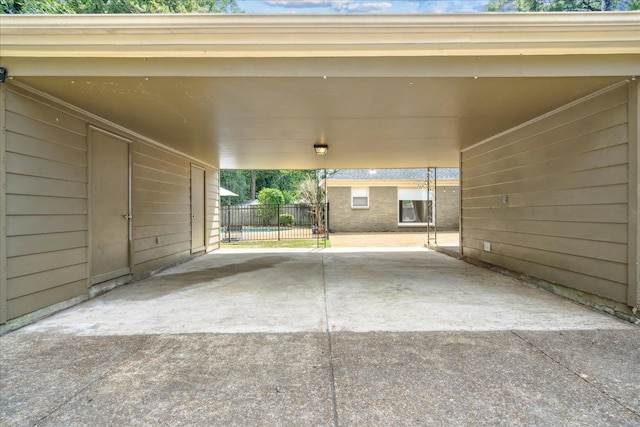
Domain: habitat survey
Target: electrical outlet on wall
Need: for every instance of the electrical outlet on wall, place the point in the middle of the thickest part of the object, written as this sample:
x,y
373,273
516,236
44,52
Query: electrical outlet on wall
x,y
486,246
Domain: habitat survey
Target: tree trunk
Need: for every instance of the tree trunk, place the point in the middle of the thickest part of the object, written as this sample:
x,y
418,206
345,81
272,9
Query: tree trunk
x,y
253,185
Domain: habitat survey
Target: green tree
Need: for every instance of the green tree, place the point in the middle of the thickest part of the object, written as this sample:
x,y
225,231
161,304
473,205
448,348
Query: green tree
x,y
270,198
561,5
287,181
118,6
284,180
234,180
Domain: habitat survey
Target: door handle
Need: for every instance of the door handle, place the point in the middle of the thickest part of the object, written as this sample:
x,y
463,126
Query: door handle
x,y
127,216
193,216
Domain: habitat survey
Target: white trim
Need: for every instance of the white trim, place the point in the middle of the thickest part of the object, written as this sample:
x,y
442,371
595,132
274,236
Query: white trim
x,y
400,183
430,197
254,36
366,189
514,66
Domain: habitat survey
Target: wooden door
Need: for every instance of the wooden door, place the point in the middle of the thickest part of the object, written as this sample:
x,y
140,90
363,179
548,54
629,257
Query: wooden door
x,y
197,209
110,206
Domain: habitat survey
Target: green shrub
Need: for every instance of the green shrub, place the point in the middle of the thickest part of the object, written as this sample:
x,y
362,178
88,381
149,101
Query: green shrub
x,y
286,220
270,199
271,196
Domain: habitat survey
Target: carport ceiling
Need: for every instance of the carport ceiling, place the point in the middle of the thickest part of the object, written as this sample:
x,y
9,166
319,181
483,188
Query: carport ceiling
x,y
273,123
245,103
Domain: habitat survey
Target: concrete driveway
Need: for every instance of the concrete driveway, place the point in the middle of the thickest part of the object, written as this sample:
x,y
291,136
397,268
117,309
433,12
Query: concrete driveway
x,y
325,338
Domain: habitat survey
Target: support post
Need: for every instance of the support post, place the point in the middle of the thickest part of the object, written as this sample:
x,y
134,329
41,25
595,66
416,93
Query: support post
x,y
228,221
429,207
435,207
325,206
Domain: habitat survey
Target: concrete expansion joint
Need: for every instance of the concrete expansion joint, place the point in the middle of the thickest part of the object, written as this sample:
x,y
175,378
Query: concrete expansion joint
x,y
334,403
579,375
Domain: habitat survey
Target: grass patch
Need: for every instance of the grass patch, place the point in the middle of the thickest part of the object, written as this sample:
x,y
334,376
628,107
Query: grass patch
x,y
296,243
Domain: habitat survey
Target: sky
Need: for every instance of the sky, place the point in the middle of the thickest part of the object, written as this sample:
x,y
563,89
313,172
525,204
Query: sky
x,y
361,6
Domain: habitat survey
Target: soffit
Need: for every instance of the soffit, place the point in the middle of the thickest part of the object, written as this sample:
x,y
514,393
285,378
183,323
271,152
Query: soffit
x,y
273,123
258,92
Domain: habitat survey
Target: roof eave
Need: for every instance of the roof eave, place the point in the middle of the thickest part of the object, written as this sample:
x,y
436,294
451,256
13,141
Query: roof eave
x,y
264,36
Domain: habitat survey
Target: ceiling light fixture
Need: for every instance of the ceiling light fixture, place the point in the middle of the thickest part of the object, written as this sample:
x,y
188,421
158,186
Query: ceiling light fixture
x,y
321,149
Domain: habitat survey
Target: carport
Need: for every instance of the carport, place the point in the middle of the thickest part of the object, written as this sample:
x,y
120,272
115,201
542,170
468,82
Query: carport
x,y
540,112
113,132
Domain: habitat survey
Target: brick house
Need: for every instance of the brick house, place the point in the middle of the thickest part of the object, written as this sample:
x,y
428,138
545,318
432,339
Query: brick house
x,y
373,200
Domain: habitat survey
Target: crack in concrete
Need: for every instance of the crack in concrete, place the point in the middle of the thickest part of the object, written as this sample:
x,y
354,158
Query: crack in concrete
x,y
96,380
334,402
577,374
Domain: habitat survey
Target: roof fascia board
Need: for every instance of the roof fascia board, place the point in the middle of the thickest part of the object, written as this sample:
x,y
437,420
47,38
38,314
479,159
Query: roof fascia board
x,y
410,67
404,183
270,36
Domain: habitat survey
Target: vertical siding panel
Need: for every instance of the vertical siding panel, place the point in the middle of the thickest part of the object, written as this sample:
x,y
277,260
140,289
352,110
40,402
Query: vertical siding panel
x,y
46,179
515,200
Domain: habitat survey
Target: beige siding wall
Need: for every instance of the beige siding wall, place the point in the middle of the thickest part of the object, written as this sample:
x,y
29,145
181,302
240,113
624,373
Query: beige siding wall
x,y
161,208
47,204
3,206
551,197
212,226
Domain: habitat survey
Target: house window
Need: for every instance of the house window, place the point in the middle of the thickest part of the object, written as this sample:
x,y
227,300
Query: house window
x,y
360,198
415,207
